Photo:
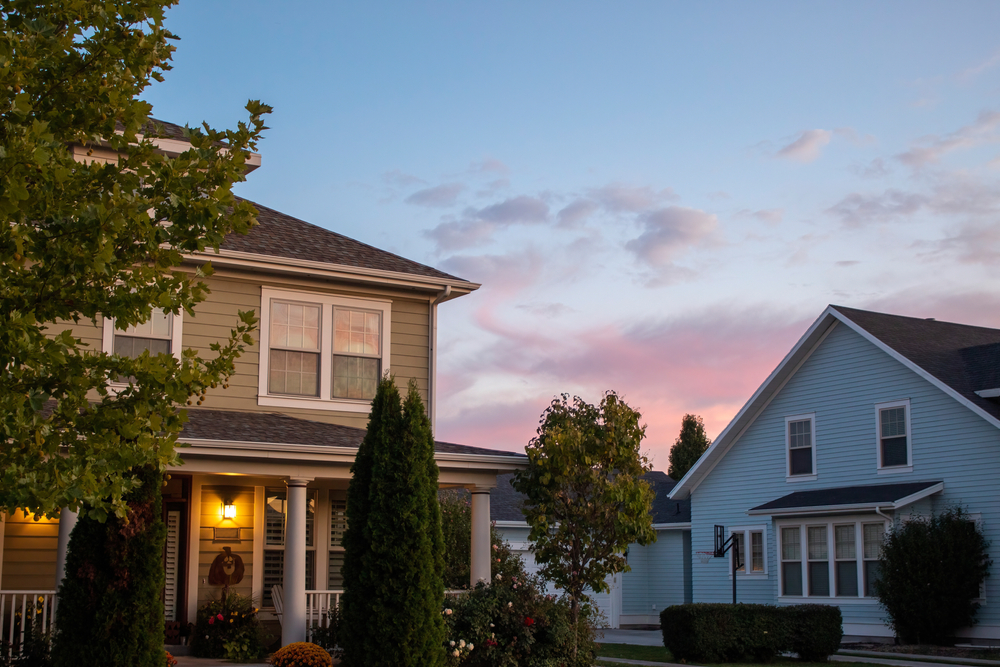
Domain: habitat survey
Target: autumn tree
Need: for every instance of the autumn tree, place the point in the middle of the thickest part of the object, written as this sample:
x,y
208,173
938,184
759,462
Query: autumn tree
x,y
688,447
82,239
585,501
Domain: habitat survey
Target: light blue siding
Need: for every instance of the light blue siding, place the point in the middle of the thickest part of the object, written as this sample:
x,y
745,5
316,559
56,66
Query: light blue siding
x,y
657,578
841,383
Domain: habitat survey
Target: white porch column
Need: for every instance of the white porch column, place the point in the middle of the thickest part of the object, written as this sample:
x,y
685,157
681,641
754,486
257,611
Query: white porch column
x,y
480,562
67,521
293,622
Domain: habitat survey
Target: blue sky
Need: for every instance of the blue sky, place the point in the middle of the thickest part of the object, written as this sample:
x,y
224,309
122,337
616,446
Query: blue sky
x,y
657,197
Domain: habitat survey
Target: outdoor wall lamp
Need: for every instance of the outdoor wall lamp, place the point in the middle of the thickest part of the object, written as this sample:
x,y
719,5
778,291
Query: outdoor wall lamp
x,y
228,510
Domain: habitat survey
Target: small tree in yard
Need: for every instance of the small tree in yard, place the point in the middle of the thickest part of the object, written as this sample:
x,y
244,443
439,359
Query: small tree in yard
x,y
931,572
394,565
585,500
688,447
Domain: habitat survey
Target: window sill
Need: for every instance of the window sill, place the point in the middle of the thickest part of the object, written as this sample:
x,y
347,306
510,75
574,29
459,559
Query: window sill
x,y
894,470
800,478
754,576
314,404
805,599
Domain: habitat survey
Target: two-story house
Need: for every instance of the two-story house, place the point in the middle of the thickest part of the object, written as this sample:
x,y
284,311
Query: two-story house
x,y
266,471
869,419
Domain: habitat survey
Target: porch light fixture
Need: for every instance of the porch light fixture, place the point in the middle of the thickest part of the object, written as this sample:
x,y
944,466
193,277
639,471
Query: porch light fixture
x,y
228,510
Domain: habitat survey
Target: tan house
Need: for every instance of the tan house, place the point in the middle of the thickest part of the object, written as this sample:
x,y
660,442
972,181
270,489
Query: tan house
x,y
266,471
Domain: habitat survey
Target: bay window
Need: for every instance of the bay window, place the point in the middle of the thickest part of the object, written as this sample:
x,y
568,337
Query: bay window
x,y
838,559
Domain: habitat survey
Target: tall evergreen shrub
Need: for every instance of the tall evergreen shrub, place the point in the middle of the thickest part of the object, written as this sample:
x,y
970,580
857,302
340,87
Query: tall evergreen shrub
x,y
110,611
393,585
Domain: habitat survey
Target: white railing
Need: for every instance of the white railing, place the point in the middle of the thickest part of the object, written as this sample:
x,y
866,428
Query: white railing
x,y
22,612
319,604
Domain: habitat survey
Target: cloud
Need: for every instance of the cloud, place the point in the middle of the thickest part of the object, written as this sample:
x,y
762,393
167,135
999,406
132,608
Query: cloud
x,y
522,209
844,263
853,136
489,166
670,231
439,195
400,179
477,226
619,198
718,195
974,244
877,168
932,148
547,310
974,71
503,275
771,216
856,209
576,212
806,147
456,235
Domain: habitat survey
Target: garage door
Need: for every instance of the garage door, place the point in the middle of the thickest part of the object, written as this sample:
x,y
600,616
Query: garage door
x,y
609,604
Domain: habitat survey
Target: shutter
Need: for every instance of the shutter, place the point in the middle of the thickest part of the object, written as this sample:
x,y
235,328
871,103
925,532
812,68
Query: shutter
x,y
171,565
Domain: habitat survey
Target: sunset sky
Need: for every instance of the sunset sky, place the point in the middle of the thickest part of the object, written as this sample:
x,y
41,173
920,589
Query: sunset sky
x,y
658,197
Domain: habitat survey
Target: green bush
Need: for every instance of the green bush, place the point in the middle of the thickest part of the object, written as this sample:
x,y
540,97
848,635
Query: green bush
x,y
327,635
228,628
750,632
456,529
931,572
36,648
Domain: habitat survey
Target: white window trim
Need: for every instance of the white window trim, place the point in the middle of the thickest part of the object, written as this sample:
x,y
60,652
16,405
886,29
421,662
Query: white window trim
x,y
176,336
328,302
893,470
746,530
789,477
803,525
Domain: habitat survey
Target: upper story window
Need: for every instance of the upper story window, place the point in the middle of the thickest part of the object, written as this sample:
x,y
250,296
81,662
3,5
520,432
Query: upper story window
x,y
893,436
321,351
160,334
800,447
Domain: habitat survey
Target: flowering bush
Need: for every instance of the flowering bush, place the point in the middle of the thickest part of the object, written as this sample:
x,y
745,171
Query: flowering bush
x,y
301,654
228,628
510,622
171,661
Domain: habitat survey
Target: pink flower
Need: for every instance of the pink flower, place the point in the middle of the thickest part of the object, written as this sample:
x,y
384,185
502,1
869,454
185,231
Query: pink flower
x,y
219,616
529,621
211,620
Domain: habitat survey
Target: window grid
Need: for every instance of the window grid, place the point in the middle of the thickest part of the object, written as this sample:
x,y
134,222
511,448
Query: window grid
x,y
892,436
801,443
847,570
791,561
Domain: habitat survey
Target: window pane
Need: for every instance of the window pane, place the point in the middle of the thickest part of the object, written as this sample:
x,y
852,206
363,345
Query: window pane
x,y
791,577
790,544
801,461
310,518
274,569
357,332
894,452
871,576
847,578
310,570
295,373
338,521
355,377
335,578
159,325
800,433
738,544
757,552
817,543
893,422
133,347
873,533
274,517
294,325
844,536
819,578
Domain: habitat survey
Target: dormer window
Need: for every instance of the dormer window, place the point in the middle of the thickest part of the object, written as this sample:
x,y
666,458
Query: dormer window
x,y
321,351
800,447
894,446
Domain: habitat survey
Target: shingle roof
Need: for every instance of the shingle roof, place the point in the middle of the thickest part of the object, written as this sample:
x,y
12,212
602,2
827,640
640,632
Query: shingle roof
x,y
872,494
281,235
273,428
506,503
964,357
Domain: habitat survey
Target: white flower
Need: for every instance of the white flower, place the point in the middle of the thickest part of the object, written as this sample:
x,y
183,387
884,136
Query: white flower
x,y
491,625
495,547
451,643
455,653
461,643
447,612
510,604
471,647
499,577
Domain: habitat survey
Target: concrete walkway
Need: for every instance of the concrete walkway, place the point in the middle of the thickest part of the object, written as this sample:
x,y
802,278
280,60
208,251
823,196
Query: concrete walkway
x,y
634,637
191,661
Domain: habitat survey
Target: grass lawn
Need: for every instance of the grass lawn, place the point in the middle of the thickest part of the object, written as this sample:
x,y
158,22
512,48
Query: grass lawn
x,y
661,654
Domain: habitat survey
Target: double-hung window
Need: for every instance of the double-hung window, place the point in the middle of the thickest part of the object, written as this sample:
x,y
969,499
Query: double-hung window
x,y
160,334
873,535
894,440
837,560
751,545
322,351
800,447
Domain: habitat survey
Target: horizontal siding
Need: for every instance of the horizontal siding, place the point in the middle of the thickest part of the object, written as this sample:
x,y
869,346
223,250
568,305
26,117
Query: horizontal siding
x,y
29,553
212,498
841,383
657,577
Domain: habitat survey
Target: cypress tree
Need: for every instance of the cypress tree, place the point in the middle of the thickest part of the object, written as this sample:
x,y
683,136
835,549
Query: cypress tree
x,y
394,611
110,611
358,636
689,446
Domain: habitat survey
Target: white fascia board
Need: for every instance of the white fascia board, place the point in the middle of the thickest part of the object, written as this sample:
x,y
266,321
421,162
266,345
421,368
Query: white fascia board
x,y
174,147
761,398
253,261
919,495
672,526
243,449
988,393
913,367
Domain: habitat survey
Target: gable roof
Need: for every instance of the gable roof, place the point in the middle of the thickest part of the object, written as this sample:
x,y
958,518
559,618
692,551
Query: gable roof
x,y
956,358
506,503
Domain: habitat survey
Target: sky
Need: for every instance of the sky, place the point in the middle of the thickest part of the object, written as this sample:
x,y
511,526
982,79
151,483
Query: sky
x,y
658,198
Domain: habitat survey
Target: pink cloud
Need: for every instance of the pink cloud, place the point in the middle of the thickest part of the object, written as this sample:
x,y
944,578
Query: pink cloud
x,y
930,149
807,146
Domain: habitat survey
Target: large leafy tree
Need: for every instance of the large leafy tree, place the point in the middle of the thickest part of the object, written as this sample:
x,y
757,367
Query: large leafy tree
x,y
394,561
585,500
83,238
688,447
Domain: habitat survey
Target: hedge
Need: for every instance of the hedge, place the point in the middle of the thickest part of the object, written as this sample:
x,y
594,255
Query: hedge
x,y
750,632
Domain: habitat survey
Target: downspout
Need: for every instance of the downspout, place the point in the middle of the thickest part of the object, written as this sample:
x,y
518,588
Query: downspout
x,y
432,356
892,522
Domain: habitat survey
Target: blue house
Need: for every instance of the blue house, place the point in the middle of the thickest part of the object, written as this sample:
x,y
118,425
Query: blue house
x,y
660,573
870,419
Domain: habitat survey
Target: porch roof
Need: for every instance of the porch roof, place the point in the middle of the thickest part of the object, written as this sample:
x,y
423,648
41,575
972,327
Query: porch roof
x,y
848,499
278,429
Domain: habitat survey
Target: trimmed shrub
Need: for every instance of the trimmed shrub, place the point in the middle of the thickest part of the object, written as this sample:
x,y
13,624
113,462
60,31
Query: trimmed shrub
x,y
301,654
456,529
750,632
931,571
228,628
110,612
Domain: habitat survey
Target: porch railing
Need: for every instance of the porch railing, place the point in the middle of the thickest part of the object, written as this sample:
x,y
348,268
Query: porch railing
x,y
319,604
23,613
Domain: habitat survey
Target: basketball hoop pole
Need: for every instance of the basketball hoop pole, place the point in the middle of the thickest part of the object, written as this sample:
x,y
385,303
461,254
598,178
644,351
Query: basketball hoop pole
x,y
723,545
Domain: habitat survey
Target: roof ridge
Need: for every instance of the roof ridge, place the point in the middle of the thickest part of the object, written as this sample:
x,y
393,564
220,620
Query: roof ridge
x,y
930,320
